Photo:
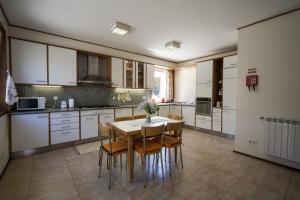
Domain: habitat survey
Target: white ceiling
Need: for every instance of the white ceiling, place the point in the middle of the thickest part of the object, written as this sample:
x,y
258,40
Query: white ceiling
x,y
203,26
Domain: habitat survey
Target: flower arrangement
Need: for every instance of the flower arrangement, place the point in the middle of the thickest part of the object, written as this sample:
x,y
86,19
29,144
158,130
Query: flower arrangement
x,y
150,108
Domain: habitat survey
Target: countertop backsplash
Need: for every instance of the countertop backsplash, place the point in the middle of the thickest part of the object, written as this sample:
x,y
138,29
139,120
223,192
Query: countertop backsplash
x,y
86,95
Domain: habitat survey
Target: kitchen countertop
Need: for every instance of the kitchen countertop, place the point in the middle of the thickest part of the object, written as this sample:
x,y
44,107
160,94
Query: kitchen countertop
x,y
48,110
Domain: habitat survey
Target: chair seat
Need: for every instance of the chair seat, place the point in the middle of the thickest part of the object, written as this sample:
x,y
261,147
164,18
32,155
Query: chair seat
x,y
151,147
169,141
117,147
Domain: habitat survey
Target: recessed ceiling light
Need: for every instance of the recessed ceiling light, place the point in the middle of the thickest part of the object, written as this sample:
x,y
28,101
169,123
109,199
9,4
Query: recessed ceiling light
x,y
173,45
120,28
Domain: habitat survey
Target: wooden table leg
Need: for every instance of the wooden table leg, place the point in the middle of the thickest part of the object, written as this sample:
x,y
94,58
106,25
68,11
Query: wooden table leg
x,y
130,161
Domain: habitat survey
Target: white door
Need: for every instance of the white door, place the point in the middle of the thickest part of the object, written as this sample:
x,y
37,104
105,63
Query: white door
x,y
29,62
229,121
229,93
89,126
150,76
204,90
62,66
188,113
117,72
204,72
230,61
29,131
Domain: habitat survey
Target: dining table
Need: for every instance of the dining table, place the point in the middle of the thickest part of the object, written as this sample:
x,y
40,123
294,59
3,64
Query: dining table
x,y
131,128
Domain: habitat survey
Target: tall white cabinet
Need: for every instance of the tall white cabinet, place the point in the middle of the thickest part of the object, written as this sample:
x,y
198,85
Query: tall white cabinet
x,y
150,76
62,66
29,62
117,71
204,79
230,77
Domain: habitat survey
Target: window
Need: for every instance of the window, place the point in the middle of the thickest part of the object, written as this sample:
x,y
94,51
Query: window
x,y
163,84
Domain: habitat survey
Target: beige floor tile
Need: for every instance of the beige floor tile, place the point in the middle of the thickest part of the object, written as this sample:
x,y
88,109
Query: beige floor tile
x,y
293,192
14,189
296,177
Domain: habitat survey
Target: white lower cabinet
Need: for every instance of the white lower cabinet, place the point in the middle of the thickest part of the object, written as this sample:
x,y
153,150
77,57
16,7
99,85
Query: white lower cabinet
x,y
136,111
229,121
217,120
106,116
188,113
89,126
123,112
175,109
203,121
163,111
29,131
64,127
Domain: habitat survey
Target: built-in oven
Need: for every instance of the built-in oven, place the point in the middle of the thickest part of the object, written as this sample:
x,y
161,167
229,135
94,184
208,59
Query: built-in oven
x,y
203,106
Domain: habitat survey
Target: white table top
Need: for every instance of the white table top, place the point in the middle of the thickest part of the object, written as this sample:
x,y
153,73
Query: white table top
x,y
134,126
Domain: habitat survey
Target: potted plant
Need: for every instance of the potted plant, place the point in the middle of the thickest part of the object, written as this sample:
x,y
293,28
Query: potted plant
x,y
150,108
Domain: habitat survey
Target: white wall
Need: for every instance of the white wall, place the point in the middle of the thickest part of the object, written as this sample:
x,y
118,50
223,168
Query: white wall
x,y
61,41
4,144
185,84
273,47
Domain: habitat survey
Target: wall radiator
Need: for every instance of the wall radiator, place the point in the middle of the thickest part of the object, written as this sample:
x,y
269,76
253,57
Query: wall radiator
x,y
282,138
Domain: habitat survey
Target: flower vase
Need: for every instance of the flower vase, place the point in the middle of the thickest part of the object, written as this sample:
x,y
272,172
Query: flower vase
x,y
148,119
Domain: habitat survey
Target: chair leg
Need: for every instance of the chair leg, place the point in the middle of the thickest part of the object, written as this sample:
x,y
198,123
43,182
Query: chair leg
x,y
121,162
126,162
162,165
110,170
107,161
100,162
165,154
144,166
175,153
170,162
181,157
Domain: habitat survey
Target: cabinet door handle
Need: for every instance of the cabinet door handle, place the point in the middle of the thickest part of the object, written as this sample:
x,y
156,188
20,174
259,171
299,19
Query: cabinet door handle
x,y
65,133
65,114
65,120
66,127
90,118
72,82
42,116
41,81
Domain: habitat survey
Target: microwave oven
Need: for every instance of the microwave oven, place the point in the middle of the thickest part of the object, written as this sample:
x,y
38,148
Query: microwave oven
x,y
31,103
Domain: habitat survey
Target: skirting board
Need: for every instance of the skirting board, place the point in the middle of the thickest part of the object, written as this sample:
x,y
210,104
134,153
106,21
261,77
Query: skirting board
x,y
225,135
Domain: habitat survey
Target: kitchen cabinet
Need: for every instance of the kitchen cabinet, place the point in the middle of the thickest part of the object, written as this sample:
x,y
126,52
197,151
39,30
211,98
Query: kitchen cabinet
x,y
4,142
29,62
163,111
204,90
150,76
29,131
123,112
203,121
140,76
188,113
230,73
62,66
136,111
230,61
229,121
106,116
204,72
64,127
129,74
89,124
117,72
229,93
175,109
217,120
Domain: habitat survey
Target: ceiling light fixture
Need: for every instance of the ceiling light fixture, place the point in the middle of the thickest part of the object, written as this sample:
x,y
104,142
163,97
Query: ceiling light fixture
x,y
120,28
173,45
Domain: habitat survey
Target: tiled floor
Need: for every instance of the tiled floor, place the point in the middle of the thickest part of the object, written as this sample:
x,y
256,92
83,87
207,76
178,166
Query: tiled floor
x,y
211,171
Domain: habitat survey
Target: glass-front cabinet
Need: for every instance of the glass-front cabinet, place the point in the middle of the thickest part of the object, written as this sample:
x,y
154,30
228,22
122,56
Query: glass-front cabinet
x,y
140,75
129,74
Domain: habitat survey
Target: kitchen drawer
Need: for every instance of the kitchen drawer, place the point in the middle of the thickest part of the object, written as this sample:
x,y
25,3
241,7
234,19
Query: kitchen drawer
x,y
107,111
123,112
106,118
217,120
89,112
175,109
64,114
64,136
59,127
217,127
66,120
217,110
203,117
205,124
136,111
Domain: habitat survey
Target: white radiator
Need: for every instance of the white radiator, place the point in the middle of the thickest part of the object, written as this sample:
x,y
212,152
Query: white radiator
x,y
282,138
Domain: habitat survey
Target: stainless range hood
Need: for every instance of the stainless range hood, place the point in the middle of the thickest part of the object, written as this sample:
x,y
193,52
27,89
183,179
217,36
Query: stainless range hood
x,y
94,69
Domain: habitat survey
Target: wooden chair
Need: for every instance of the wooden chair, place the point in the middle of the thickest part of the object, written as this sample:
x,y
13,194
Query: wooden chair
x,y
139,116
119,119
150,146
173,141
175,116
112,148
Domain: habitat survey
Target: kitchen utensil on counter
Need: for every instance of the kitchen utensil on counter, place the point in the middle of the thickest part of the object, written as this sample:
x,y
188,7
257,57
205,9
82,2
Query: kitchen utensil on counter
x,y
71,103
63,104
55,98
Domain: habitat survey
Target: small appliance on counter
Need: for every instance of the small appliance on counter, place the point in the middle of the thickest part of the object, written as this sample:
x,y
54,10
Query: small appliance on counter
x,y
71,103
63,104
31,103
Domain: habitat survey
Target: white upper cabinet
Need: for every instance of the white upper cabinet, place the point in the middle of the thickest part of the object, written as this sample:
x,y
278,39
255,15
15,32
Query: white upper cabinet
x,y
140,75
230,61
229,93
62,66
29,62
204,90
117,71
204,72
129,74
150,76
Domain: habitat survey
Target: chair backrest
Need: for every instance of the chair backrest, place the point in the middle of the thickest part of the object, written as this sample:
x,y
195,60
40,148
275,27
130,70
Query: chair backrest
x,y
152,132
175,116
119,119
139,116
105,131
175,129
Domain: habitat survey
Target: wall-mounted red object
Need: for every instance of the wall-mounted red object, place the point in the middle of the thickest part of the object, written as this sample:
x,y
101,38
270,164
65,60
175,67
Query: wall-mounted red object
x,y
251,81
